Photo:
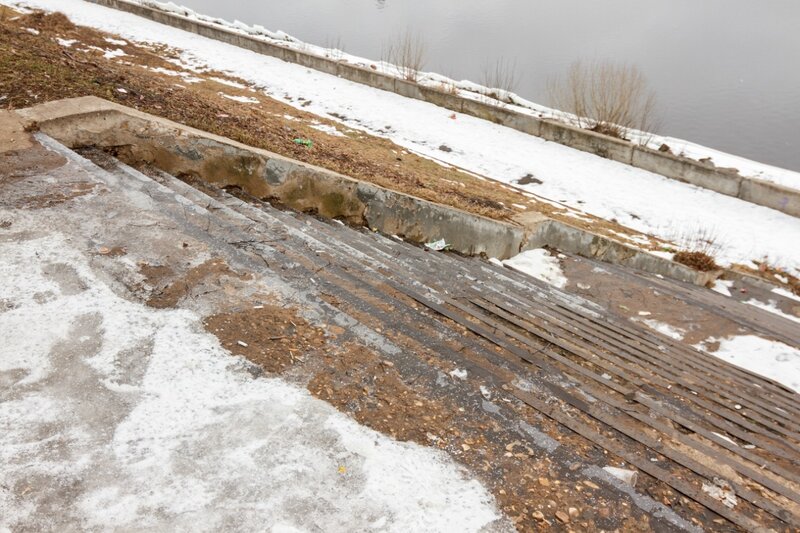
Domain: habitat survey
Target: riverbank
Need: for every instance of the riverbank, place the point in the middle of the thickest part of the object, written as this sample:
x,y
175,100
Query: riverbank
x,y
581,187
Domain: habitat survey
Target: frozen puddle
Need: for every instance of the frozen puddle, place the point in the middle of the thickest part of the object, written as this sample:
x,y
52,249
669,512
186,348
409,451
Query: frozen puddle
x,y
117,416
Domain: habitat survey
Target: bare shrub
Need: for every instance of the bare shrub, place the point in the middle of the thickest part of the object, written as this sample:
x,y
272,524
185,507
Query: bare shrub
x,y
698,248
605,97
500,78
407,53
335,48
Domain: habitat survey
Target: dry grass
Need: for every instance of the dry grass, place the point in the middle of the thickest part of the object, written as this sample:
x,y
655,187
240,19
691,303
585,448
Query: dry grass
x,y
698,247
35,69
605,97
697,260
407,53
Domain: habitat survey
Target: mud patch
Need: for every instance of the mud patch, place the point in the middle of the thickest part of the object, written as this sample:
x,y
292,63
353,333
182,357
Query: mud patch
x,y
18,164
269,336
202,279
68,192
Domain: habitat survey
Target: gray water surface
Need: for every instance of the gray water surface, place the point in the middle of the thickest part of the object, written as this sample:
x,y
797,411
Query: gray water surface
x,y
726,72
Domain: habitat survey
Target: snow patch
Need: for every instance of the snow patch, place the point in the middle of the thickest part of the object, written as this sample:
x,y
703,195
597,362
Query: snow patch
x,y
158,427
722,286
771,359
241,99
118,42
540,265
111,54
458,373
326,128
229,83
722,491
663,328
772,307
786,294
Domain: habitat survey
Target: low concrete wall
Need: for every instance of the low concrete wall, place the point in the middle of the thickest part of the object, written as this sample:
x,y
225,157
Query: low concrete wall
x,y
180,150
575,240
724,181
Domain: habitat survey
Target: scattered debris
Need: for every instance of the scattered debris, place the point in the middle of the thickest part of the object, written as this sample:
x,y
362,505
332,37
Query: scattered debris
x,y
529,179
458,373
722,491
308,143
629,477
437,246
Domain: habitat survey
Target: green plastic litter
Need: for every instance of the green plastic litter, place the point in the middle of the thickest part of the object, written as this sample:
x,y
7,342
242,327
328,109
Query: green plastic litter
x,y
305,142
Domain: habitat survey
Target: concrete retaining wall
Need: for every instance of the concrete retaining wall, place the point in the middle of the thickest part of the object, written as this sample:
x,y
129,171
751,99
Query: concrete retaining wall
x,y
724,181
180,150
570,239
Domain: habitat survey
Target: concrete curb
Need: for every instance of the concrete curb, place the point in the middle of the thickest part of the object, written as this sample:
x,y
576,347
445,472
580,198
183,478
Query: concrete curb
x,y
722,180
181,150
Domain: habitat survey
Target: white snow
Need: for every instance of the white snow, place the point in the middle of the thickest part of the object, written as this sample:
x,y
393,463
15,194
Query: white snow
x,y
663,328
539,264
228,82
772,307
134,418
330,130
722,286
458,373
771,359
66,43
725,437
241,99
643,201
786,294
110,54
118,42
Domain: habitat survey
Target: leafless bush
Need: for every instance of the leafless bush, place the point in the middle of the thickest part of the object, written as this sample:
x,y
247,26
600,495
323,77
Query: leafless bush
x,y
605,97
335,48
407,53
698,247
500,78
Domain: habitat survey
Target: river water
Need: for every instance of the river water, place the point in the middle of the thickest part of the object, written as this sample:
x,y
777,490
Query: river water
x,y
726,73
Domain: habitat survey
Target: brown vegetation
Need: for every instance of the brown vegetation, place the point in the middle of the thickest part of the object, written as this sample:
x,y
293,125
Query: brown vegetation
x,y
605,97
35,69
697,260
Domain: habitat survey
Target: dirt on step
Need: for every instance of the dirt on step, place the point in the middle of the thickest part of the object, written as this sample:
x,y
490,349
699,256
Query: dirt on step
x,y
168,290
272,337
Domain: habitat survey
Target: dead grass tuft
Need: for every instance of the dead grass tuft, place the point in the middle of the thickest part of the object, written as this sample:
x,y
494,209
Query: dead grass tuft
x,y
697,260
